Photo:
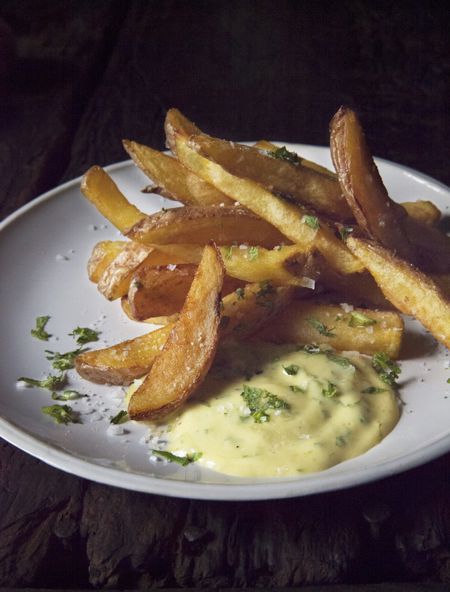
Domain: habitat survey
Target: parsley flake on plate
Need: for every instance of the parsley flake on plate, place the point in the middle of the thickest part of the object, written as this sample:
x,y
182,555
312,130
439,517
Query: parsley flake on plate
x,y
64,361
120,417
51,382
39,331
84,335
61,413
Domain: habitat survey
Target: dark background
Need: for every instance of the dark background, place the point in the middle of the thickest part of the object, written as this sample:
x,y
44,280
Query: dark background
x,y
78,76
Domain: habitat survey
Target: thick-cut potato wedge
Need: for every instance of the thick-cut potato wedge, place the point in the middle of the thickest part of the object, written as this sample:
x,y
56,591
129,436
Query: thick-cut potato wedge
x,y
172,179
295,181
362,186
329,324
177,123
433,246
200,225
190,348
98,187
409,290
102,255
243,313
123,362
115,280
290,219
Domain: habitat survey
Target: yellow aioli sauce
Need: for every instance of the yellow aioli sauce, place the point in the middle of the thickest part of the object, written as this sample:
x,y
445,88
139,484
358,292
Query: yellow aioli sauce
x,y
331,407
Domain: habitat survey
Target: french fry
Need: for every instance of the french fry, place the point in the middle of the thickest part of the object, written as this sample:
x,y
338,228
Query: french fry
x,y
199,225
422,211
172,179
161,320
176,123
285,175
379,216
362,330
409,290
190,347
115,280
103,253
294,222
98,187
270,147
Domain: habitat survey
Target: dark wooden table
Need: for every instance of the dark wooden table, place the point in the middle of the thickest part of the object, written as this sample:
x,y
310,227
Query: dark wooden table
x,y
75,78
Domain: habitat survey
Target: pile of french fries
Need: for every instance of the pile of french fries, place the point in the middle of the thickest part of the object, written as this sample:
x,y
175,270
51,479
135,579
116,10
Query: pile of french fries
x,y
266,245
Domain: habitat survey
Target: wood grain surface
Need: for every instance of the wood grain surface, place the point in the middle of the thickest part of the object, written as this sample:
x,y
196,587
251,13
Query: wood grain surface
x,y
87,74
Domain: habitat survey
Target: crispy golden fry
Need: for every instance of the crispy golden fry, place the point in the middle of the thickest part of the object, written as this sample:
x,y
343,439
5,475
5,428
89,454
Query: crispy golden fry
x,y
176,123
115,280
190,348
122,363
409,290
199,225
172,179
362,186
362,330
279,175
422,211
102,255
294,222
98,187
243,313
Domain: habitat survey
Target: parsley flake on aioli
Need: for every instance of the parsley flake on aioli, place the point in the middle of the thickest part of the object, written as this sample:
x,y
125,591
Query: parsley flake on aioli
x,y
39,331
259,401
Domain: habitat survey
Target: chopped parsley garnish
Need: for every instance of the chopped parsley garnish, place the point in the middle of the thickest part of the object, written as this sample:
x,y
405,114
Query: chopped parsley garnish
x,y
51,383
284,154
60,413
64,361
181,460
240,293
344,232
121,417
68,395
388,370
39,331
296,389
84,335
292,369
372,390
259,401
252,253
321,328
359,319
344,362
311,221
330,391
448,380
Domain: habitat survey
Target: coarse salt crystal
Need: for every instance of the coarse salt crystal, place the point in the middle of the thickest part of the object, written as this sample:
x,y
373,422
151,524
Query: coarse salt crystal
x,y
347,307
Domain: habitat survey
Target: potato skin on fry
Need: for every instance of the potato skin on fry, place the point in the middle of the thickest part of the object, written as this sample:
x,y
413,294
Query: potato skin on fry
x,y
190,348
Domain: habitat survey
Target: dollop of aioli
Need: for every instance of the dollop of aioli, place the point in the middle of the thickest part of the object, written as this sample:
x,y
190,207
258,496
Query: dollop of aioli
x,y
334,407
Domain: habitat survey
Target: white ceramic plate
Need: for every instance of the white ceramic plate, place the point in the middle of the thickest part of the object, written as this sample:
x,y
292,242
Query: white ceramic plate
x,y
44,248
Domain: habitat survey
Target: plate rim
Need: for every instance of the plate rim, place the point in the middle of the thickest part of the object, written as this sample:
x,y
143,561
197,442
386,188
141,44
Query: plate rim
x,y
268,489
